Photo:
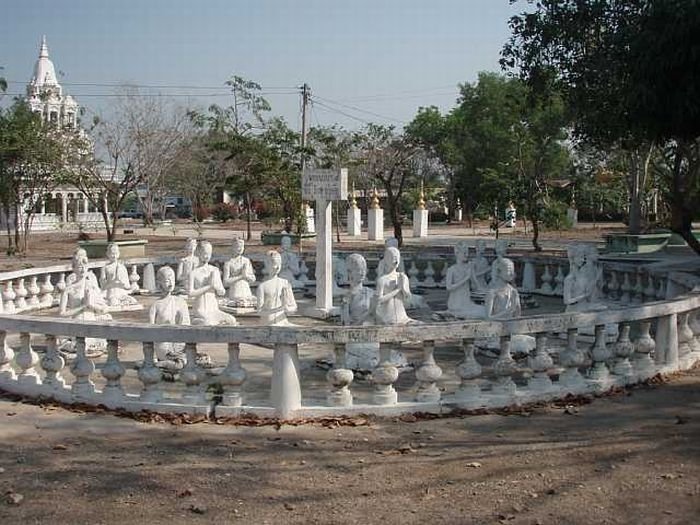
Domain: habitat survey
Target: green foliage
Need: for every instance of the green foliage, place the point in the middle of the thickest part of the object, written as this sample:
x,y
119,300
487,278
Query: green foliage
x,y
554,215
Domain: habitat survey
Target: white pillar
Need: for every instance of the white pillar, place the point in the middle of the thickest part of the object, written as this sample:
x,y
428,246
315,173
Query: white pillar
x,y
43,205
354,221
420,223
86,204
324,257
64,208
286,389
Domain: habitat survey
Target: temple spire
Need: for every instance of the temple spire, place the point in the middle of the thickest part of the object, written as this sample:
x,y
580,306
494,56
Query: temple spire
x,y
44,50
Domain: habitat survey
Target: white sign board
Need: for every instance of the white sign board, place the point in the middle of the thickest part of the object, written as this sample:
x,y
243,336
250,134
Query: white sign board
x,y
325,185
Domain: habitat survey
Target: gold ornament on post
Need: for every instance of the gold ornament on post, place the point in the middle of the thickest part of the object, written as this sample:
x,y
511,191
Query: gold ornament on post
x,y
421,198
353,201
375,199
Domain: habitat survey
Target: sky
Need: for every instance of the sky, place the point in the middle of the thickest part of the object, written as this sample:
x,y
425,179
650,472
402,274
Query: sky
x,y
365,60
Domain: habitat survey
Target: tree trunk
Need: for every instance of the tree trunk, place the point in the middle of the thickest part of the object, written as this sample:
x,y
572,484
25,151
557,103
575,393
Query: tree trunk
x,y
639,168
681,211
392,203
535,233
249,232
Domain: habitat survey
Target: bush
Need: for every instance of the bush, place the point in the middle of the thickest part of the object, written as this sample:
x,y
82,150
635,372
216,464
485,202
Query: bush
x,y
437,216
554,216
200,213
224,212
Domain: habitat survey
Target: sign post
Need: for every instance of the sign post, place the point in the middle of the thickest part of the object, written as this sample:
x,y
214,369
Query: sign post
x,y
324,186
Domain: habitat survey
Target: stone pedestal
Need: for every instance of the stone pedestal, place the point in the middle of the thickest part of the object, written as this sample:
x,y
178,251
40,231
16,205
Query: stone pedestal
x,y
354,222
420,223
375,224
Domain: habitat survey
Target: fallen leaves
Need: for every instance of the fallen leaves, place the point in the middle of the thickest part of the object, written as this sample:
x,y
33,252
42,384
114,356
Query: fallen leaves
x,y
13,498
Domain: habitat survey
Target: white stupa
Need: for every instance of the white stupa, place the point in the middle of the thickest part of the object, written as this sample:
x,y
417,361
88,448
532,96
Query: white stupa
x,y
45,94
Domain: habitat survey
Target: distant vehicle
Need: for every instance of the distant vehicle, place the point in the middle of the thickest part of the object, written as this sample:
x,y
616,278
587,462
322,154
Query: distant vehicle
x,y
130,214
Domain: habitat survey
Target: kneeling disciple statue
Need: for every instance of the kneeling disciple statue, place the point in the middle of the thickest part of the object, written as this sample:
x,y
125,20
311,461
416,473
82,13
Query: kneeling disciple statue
x,y
458,283
481,269
357,310
204,286
502,302
393,292
188,263
291,264
238,276
82,299
169,310
581,284
114,280
275,295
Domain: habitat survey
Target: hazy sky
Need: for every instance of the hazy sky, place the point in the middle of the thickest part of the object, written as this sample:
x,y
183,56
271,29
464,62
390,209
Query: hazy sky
x,y
365,60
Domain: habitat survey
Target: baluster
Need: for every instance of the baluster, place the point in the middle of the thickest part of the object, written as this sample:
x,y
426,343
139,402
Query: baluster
x,y
638,289
559,281
304,272
623,350
694,323
340,379
150,375
413,274
233,377
9,296
529,278
504,368
83,388
47,288
469,371
442,283
149,279
21,293
427,375
600,353
661,290
27,359
666,353
7,373
546,288
384,377
625,288
113,371
540,363
613,286
645,345
572,358
52,362
134,278
286,389
33,293
429,273
193,376
685,336
649,291
61,284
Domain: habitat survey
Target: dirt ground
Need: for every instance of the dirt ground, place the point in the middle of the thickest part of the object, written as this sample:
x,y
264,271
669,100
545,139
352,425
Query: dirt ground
x,y
629,458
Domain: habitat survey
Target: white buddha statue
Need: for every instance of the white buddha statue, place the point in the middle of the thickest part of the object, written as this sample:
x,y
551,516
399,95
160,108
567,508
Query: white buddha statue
x,y
186,265
169,310
291,264
115,284
393,292
204,285
581,284
275,295
238,276
481,268
458,281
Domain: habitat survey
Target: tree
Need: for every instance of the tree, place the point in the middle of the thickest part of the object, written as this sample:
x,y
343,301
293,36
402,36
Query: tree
x,y
32,163
628,72
391,160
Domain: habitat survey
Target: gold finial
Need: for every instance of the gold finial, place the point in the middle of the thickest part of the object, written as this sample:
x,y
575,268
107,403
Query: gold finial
x,y
375,199
421,198
353,201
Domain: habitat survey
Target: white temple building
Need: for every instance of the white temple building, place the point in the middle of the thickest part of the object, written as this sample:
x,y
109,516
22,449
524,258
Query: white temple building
x,y
65,207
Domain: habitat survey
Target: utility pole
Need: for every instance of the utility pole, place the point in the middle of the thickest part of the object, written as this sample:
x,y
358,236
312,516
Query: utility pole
x,y
305,100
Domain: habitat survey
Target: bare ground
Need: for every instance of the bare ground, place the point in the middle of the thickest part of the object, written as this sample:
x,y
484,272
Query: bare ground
x,y
629,458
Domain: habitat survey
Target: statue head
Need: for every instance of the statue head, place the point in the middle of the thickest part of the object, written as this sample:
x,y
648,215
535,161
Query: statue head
x,y
480,246
357,268
501,247
112,251
286,243
391,242
80,262
505,269
392,257
462,251
273,262
238,246
191,246
204,250
165,279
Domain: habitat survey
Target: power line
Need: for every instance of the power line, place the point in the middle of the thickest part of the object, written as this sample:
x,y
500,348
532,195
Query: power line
x,y
335,110
153,86
347,106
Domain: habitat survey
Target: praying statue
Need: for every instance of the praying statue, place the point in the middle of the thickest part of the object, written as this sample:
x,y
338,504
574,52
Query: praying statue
x,y
169,310
458,284
291,266
382,266
186,265
115,284
581,285
501,249
82,299
393,291
481,269
238,276
275,295
204,285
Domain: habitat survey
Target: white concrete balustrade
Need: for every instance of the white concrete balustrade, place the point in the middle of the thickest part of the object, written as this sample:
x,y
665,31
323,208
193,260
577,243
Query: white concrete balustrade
x,y
658,331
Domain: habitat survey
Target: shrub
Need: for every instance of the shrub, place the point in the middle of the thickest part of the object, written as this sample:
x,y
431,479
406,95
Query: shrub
x,y
224,212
